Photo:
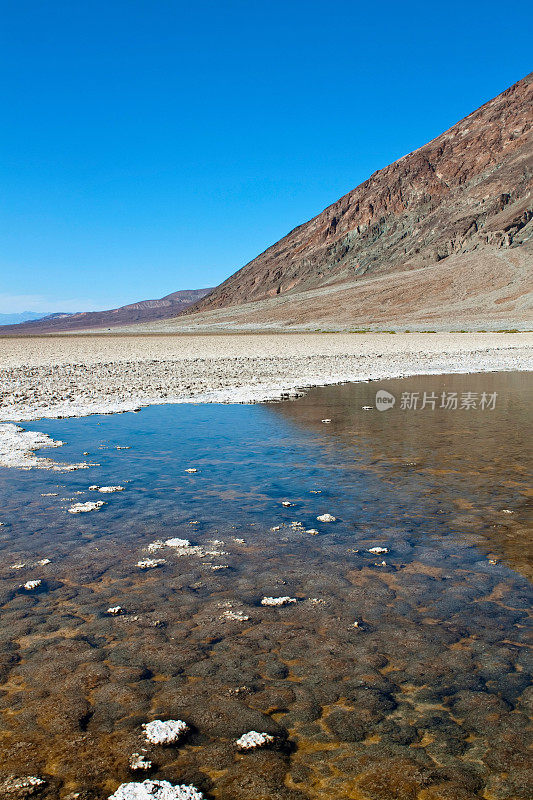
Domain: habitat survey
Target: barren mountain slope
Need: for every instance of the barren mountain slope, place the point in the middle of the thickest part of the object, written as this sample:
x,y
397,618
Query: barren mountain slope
x,y
466,194
134,313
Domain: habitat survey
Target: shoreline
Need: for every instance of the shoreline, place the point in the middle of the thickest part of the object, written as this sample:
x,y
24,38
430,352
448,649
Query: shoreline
x,y
45,379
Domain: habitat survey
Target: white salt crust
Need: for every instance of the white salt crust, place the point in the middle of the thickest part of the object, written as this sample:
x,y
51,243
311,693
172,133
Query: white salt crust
x,y
168,732
277,601
252,740
156,790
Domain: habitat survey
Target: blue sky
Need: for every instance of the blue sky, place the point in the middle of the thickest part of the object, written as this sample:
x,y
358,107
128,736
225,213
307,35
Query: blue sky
x,y
149,145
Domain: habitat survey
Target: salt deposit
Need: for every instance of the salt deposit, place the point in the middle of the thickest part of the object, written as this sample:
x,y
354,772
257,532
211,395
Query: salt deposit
x,y
326,518
115,610
17,448
235,616
277,601
29,586
252,740
159,732
83,508
114,373
110,489
156,790
150,563
139,763
378,550
177,542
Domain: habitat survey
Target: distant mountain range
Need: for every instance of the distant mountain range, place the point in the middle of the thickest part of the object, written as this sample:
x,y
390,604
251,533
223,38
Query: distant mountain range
x,y
143,311
25,316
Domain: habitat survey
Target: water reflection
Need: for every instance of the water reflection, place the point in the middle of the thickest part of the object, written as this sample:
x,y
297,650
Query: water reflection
x,y
424,699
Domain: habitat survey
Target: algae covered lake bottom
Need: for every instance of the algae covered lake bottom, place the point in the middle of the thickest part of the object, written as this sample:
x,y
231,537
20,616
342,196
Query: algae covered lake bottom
x,y
401,671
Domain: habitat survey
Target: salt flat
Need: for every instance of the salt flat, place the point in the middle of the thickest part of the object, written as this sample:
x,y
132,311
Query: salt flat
x,y
63,376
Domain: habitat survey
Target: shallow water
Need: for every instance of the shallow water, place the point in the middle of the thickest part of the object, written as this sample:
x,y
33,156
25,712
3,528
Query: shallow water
x,y
426,699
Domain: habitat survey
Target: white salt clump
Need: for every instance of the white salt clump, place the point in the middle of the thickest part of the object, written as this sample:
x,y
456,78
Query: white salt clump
x,y
381,564
276,528
253,739
312,531
191,469
177,543
156,790
157,545
239,541
326,518
94,487
316,491
83,508
114,610
277,601
159,732
45,494
367,408
31,585
110,489
326,421
378,550
150,563
219,566
286,503
29,782
235,616
44,561
506,511
19,565
138,762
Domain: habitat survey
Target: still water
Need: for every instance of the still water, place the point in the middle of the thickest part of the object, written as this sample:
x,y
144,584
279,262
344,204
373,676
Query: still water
x,y
401,674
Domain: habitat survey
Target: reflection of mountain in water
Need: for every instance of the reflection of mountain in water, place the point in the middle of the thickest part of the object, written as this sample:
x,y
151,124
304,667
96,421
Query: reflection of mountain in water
x,y
475,462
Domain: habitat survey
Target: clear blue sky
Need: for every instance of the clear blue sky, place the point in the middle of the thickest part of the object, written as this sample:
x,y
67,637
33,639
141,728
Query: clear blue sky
x,y
154,145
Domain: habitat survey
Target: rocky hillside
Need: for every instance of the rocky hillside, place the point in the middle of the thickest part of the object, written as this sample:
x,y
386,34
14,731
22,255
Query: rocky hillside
x,y
465,196
143,311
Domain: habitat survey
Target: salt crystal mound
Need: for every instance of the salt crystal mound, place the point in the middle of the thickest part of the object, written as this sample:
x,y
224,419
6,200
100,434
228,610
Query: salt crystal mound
x,y
138,762
177,543
159,732
326,518
110,489
378,550
29,586
277,601
253,739
84,508
156,790
17,448
234,616
150,563
15,784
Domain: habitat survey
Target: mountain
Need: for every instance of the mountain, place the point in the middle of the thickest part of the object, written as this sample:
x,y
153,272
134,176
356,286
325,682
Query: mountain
x,y
143,311
25,316
444,233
